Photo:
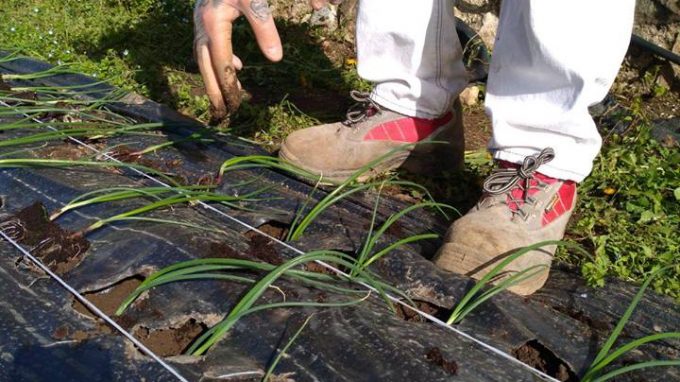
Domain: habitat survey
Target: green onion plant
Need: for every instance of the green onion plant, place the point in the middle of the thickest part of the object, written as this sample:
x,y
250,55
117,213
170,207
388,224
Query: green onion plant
x,y
477,295
53,71
596,371
303,218
182,196
111,194
59,163
219,269
89,132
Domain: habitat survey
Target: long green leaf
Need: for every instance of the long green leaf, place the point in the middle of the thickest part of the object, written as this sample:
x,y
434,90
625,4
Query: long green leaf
x,y
256,291
633,345
58,163
500,267
231,320
395,245
624,319
463,310
634,367
283,351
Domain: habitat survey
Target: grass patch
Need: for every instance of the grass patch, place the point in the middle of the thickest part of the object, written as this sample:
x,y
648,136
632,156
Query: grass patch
x,y
629,212
146,46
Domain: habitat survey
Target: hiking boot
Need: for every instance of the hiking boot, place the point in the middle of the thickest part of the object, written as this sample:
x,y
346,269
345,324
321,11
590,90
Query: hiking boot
x,y
520,207
337,150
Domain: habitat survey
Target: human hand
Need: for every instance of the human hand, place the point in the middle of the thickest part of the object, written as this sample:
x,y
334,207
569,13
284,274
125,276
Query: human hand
x,y
213,20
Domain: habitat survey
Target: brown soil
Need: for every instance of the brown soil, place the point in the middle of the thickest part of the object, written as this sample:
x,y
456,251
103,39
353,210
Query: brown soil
x,y
164,342
58,249
225,251
435,356
275,229
477,127
261,247
110,298
171,341
66,332
65,151
107,300
318,268
171,167
534,354
128,155
411,316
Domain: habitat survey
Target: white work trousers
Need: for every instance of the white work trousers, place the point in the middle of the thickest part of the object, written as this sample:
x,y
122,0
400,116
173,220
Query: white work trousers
x,y
552,59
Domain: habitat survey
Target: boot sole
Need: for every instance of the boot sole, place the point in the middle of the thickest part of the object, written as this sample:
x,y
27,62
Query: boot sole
x,y
430,159
339,176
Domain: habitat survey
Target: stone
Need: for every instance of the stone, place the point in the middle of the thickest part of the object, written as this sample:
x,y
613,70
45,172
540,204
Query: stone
x,y
469,96
326,17
488,30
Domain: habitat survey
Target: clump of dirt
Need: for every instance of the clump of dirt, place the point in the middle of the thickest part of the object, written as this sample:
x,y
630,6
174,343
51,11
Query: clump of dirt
x,y
263,248
171,167
109,299
65,151
318,268
534,354
273,228
409,315
171,341
57,248
126,154
435,356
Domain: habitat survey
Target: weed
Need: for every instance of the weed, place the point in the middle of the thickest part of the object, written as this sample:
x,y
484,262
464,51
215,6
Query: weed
x,y
629,213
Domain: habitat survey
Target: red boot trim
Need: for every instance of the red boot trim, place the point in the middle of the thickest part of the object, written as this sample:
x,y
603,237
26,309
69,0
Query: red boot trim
x,y
407,130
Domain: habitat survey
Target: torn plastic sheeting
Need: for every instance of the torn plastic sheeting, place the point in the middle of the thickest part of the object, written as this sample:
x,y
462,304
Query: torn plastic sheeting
x,y
213,154
507,321
34,323
117,252
113,263
338,344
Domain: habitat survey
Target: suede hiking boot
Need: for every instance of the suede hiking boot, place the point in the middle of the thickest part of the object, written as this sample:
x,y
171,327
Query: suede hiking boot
x,y
337,150
520,207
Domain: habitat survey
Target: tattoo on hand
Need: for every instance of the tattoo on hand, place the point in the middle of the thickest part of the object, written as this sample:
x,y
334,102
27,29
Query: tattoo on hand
x,y
260,9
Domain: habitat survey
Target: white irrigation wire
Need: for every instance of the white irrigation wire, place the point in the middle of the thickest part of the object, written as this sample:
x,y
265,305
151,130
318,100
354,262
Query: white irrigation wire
x,y
427,316
93,308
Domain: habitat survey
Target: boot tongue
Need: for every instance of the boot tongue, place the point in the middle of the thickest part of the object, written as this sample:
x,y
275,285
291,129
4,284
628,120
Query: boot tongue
x,y
360,112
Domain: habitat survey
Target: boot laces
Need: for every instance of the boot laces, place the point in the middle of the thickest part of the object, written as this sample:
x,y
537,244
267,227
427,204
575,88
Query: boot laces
x,y
362,109
503,181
